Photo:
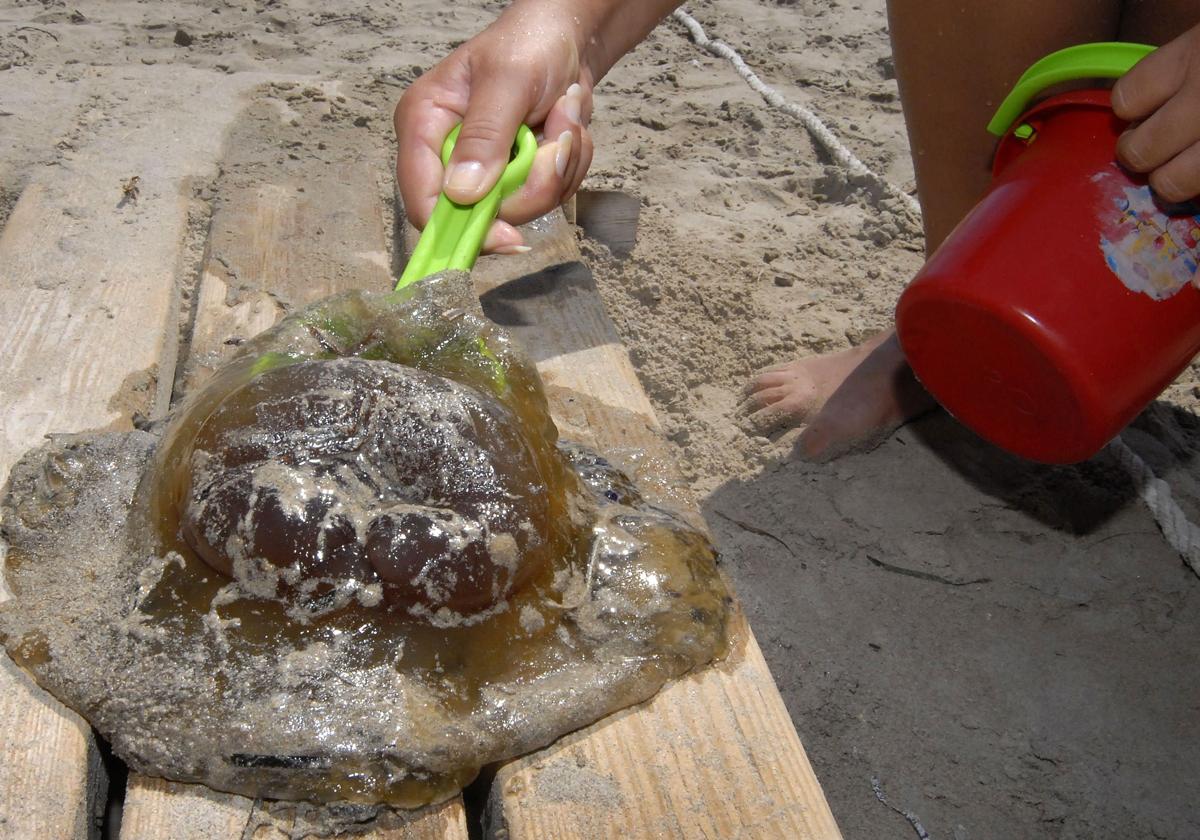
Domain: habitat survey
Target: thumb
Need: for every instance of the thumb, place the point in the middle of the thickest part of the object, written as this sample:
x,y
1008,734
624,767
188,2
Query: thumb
x,y
482,151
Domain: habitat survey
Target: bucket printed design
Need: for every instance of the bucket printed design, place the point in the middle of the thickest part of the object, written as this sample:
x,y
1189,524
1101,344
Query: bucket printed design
x,y
1149,251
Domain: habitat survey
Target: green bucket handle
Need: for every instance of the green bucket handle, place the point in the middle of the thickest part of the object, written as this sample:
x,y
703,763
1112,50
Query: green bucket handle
x,y
455,232
1107,60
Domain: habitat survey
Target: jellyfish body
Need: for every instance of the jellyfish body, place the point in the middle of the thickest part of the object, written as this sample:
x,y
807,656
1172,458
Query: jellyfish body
x,y
372,471
357,565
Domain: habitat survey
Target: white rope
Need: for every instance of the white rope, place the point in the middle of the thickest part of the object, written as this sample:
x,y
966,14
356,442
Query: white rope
x,y
1180,533
820,132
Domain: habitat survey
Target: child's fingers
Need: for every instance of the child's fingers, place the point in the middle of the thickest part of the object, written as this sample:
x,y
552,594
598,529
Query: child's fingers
x,y
1167,132
542,191
571,114
502,238
775,368
493,115
1152,81
583,162
1179,178
421,127
539,194
1161,95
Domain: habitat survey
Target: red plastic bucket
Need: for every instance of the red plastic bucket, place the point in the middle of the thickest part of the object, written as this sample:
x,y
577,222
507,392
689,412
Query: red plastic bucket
x,y
1062,304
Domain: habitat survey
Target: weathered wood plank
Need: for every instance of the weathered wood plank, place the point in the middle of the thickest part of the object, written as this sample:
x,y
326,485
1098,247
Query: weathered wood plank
x,y
87,290
713,755
274,246
28,112
610,217
158,809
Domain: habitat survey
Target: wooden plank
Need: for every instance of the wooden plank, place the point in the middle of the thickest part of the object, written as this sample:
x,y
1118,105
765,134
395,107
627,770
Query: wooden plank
x,y
714,755
156,808
88,294
609,217
275,246
34,123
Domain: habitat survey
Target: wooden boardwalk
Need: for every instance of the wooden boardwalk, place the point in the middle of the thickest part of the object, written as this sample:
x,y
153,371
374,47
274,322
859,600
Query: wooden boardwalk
x,y
100,303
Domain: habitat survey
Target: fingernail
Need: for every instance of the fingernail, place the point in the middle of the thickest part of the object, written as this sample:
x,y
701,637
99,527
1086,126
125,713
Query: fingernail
x,y
563,155
573,107
465,177
508,250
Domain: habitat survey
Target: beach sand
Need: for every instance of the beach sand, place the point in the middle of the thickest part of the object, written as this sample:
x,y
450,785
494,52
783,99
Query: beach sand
x,y
1003,649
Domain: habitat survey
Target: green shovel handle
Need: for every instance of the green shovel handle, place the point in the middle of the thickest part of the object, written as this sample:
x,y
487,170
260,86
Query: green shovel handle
x,y
1109,60
455,232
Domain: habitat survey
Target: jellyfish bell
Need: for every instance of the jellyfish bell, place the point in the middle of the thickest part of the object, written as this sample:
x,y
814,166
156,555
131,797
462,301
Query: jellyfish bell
x,y
355,566
371,471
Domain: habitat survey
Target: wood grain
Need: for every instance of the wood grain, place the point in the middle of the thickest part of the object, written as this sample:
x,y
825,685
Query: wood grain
x,y
87,288
158,809
714,755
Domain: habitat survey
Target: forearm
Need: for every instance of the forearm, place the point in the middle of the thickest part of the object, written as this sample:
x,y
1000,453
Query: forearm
x,y
616,27
603,30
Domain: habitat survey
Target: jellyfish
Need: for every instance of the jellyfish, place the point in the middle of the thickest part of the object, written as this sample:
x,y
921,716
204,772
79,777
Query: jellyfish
x,y
354,567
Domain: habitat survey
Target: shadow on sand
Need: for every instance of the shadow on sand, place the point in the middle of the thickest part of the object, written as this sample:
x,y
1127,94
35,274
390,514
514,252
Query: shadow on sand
x,y
952,619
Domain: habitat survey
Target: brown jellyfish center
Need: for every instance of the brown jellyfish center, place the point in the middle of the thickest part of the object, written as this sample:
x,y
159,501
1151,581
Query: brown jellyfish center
x,y
320,472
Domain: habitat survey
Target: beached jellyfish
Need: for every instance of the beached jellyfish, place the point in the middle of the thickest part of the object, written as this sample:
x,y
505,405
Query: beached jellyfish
x,y
324,471
356,566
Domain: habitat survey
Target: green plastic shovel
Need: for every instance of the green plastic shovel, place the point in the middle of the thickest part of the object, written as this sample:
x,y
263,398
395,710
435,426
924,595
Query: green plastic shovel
x,y
455,232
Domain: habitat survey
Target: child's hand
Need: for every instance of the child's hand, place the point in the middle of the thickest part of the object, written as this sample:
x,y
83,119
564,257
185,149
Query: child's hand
x,y
1163,93
526,67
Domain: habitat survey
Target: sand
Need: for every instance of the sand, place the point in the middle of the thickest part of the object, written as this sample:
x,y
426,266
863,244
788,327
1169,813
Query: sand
x,y
1007,649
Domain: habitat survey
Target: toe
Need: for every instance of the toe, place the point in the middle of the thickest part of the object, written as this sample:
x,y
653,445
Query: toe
x,y
763,380
761,399
767,420
778,366
799,403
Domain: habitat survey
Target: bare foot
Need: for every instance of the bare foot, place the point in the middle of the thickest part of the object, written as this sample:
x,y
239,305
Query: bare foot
x,y
845,399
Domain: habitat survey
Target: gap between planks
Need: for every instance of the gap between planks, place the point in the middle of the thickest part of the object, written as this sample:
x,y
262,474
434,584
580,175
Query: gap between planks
x,y
87,290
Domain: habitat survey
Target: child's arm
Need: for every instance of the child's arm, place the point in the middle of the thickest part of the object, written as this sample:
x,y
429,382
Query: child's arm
x,y
537,64
1162,95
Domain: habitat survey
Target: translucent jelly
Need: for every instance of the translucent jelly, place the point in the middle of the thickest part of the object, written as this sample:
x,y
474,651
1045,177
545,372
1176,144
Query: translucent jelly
x,y
356,566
